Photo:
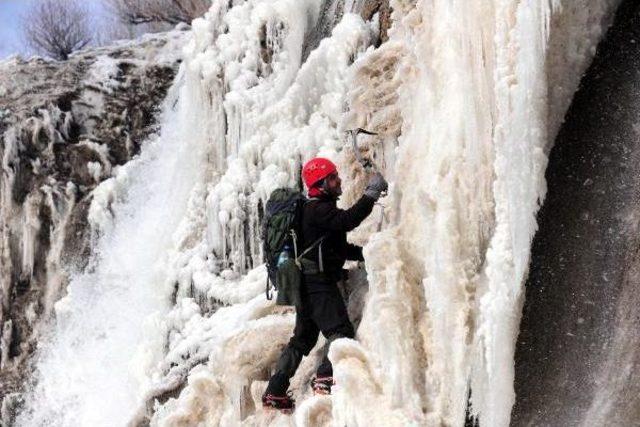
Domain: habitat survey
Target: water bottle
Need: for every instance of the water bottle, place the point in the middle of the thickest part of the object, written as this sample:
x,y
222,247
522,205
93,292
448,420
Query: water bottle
x,y
284,255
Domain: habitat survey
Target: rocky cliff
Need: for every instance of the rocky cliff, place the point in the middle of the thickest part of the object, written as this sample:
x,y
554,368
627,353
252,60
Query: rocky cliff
x,y
65,127
578,358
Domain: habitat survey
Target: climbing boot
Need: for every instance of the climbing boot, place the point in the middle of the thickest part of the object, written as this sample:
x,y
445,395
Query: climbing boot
x,y
284,404
322,385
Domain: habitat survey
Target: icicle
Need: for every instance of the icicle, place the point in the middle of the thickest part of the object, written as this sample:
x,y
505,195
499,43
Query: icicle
x,y
60,206
5,343
10,152
30,229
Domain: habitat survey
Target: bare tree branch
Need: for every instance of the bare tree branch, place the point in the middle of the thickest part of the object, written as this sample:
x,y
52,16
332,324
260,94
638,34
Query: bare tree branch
x,y
56,28
137,12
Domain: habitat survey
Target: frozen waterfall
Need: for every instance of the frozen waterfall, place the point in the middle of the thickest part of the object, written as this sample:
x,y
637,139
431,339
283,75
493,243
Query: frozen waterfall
x,y
169,323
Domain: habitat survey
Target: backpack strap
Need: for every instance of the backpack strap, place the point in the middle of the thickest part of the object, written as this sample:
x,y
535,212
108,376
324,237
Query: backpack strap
x,y
269,294
313,245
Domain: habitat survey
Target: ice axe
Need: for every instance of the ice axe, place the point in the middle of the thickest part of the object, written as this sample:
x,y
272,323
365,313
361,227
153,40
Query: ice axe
x,y
367,164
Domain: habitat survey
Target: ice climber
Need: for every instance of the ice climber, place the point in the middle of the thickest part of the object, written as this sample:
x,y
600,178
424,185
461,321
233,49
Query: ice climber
x,y
322,308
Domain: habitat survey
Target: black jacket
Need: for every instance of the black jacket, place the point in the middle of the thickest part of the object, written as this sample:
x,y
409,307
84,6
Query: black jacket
x,y
322,217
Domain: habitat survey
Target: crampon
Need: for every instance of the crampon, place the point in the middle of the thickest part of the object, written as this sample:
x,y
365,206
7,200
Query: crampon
x,y
284,404
322,385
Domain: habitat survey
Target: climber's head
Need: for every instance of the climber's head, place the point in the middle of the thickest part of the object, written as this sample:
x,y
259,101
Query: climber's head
x,y
320,176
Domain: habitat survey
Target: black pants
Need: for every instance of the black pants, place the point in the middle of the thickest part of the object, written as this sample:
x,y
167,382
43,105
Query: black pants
x,y
322,310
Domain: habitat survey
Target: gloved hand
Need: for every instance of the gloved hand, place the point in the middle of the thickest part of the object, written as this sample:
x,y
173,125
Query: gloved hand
x,y
376,186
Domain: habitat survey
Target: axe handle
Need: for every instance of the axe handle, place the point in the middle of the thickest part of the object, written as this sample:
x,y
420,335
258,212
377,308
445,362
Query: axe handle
x,y
356,150
367,164
366,132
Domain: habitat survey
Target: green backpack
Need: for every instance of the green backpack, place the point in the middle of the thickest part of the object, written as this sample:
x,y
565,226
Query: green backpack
x,y
282,238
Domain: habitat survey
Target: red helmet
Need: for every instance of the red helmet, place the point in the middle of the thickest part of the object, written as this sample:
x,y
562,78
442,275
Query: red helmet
x,y
316,170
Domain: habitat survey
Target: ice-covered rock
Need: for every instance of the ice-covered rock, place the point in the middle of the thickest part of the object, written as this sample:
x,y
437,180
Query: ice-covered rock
x,y
169,320
65,126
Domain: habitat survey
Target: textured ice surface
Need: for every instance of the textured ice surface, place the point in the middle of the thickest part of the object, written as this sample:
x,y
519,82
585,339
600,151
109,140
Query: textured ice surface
x,y
463,97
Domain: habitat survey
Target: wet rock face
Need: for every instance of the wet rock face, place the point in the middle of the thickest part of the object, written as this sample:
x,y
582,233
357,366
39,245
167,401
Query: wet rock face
x,y
64,126
331,12
578,356
383,10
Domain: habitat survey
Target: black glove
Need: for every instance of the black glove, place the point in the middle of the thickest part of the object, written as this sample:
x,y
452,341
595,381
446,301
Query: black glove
x,y
376,186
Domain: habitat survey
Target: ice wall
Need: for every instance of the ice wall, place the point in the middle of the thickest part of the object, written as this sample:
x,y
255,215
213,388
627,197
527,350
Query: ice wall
x,y
493,80
463,97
